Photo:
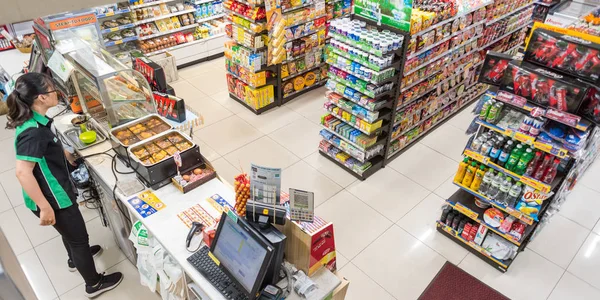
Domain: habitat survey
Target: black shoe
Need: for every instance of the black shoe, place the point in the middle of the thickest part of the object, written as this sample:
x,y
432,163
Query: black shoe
x,y
96,250
107,283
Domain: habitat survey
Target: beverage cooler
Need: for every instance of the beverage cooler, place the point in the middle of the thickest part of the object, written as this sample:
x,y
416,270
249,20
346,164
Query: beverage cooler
x,y
568,12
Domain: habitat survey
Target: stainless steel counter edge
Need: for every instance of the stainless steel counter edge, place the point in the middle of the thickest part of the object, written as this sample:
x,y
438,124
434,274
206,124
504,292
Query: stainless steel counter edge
x,y
164,225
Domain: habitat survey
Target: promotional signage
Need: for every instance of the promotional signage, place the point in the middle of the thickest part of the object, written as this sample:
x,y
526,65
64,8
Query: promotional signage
x,y
394,13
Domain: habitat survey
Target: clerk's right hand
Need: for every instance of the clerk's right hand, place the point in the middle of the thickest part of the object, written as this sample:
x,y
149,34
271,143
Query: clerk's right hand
x,y
47,217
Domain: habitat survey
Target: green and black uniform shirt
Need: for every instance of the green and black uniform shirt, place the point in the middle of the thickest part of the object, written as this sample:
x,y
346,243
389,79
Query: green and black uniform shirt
x,y
35,142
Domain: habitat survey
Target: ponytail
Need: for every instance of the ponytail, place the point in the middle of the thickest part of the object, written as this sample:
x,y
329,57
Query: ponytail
x,y
27,88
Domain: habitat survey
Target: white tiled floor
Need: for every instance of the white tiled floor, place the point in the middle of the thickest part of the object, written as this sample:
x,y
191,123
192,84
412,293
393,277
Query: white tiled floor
x,y
388,246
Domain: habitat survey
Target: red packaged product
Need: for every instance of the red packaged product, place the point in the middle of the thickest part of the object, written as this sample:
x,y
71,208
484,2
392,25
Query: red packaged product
x,y
466,230
517,230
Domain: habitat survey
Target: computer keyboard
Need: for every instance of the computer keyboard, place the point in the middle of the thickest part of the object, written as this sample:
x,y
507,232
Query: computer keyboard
x,y
209,269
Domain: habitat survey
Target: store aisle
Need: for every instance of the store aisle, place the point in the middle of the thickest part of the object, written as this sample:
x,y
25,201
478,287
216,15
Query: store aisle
x,y
385,226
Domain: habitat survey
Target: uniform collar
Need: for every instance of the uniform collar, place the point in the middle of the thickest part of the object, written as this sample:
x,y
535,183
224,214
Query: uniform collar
x,y
40,119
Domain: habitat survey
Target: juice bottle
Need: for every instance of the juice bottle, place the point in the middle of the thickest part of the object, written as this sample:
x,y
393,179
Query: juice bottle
x,y
533,164
462,169
551,172
478,178
541,169
470,174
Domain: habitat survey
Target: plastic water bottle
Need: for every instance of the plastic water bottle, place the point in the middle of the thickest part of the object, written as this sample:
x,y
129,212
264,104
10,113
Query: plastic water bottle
x,y
513,194
486,182
504,188
495,187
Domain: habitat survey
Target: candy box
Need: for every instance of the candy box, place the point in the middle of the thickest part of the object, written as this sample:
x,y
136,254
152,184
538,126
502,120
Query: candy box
x,y
544,87
565,53
493,68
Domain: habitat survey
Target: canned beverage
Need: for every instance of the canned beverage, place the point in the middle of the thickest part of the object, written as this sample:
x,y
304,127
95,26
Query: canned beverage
x,y
526,124
536,126
485,109
494,112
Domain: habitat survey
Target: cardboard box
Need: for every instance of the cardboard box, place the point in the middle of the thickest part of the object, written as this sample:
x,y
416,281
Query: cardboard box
x,y
310,246
565,53
544,87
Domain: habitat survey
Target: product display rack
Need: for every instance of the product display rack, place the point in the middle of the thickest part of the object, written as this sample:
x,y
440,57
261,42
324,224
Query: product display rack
x,y
475,216
150,34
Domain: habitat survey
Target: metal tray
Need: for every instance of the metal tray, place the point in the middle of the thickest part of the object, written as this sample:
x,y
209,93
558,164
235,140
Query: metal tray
x,y
140,120
154,138
73,136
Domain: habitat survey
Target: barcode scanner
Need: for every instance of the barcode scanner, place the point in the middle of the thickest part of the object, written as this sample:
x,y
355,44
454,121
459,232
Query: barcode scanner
x,y
196,227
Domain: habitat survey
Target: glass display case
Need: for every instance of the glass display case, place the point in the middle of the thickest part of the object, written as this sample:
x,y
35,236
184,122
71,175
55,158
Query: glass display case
x,y
109,91
568,12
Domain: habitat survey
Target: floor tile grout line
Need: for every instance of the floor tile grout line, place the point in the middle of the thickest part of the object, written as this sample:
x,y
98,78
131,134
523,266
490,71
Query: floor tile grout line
x,y
299,159
45,272
361,251
556,284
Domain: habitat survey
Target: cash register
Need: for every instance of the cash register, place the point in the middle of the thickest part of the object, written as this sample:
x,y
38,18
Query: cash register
x,y
240,260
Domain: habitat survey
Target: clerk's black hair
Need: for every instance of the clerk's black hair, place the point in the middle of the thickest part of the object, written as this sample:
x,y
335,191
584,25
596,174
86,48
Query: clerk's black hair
x,y
27,88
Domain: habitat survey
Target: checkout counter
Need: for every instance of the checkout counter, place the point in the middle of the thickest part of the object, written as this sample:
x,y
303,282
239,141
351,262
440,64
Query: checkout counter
x,y
116,182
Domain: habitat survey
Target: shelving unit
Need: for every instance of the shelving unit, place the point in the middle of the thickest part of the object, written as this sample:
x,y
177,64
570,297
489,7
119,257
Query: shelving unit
x,y
198,51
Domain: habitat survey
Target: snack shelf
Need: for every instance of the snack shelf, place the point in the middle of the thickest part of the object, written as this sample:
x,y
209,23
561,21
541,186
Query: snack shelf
x,y
397,152
184,44
168,32
250,4
354,86
502,265
344,148
464,203
367,133
374,108
377,164
304,22
113,29
256,111
504,35
449,37
404,89
384,113
379,139
459,15
297,7
211,18
514,11
149,4
269,81
244,17
306,34
532,182
311,51
306,89
114,13
303,72
384,81
445,53
361,61
248,29
251,49
507,209
203,1
185,11
548,148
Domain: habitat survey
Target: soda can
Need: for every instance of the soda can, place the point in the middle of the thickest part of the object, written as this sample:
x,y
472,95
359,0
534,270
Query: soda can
x,y
536,126
526,124
494,113
485,109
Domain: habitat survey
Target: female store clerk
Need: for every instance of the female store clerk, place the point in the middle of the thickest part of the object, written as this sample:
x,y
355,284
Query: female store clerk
x,y
43,173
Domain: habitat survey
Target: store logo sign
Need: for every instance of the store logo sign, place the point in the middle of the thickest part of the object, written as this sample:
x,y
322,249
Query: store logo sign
x,y
73,22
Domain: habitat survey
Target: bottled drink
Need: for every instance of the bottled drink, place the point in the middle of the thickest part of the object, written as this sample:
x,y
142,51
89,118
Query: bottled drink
x,y
551,172
513,194
478,178
495,187
523,161
503,192
495,151
541,169
486,148
476,144
533,164
469,175
484,187
494,113
462,169
503,158
485,109
513,159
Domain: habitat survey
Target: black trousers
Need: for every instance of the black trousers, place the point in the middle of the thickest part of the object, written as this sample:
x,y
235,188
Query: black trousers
x,y
71,226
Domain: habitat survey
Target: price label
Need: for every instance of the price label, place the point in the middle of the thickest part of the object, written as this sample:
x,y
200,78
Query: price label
x,y
535,184
112,13
465,211
524,138
476,156
119,42
114,29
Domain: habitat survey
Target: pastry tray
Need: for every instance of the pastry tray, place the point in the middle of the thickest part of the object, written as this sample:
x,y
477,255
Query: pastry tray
x,y
125,126
152,141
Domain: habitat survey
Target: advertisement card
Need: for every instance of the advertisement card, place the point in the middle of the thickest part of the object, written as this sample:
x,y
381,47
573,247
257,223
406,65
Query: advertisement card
x,y
394,13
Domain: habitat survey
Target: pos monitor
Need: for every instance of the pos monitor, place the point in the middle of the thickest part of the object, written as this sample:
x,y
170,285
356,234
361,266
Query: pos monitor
x,y
244,255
